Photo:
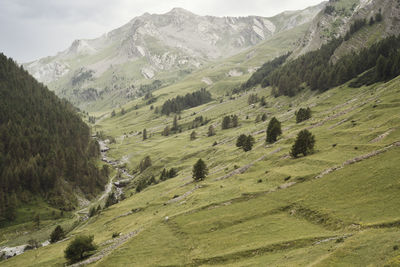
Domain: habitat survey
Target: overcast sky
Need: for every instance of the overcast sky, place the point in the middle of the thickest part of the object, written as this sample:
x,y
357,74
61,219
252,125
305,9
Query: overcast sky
x,y
32,29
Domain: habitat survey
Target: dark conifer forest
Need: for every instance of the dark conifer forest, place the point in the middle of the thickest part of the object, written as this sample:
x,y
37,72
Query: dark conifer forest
x,y
45,148
190,100
317,69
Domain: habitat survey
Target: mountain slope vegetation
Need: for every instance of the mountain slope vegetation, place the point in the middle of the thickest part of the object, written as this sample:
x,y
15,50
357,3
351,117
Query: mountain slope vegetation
x,y
336,204
45,147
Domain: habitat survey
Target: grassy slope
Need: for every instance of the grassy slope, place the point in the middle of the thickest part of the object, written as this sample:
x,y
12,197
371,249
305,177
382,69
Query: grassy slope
x,y
238,221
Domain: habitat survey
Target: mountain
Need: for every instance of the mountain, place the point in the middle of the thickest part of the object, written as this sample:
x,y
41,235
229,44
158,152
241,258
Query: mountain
x,y
152,47
46,150
336,18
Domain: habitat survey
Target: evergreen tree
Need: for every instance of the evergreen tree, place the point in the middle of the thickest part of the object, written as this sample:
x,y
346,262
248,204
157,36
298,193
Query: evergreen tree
x,y
57,235
264,117
263,103
144,163
273,130
200,170
193,135
303,114
144,134
241,140
226,122
235,121
304,143
163,175
248,144
211,131
175,126
166,131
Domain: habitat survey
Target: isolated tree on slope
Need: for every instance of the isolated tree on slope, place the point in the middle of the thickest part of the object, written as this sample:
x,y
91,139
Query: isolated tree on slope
x,y
304,143
79,248
273,130
200,170
144,134
211,131
57,234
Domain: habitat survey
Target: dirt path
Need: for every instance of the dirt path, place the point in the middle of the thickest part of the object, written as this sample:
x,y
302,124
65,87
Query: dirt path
x,y
358,159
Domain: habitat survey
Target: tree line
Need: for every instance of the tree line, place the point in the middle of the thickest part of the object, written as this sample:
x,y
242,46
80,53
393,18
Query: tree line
x,y
190,100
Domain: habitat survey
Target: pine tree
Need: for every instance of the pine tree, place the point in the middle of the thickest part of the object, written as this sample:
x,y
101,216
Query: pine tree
x,y
57,234
273,130
144,134
235,121
144,163
166,131
200,170
241,140
193,136
304,143
226,122
175,124
248,144
211,131
264,117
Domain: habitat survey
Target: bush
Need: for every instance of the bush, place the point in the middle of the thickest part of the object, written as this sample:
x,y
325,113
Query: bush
x,y
304,143
79,248
115,234
57,234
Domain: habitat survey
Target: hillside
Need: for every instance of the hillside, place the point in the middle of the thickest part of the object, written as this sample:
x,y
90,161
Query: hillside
x,y
151,47
338,205
45,148
259,202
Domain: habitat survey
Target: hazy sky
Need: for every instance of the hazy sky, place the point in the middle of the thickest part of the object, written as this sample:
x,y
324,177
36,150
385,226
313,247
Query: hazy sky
x,y
32,29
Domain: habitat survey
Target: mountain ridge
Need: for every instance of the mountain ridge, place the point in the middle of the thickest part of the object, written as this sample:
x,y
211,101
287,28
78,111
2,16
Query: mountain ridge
x,y
156,45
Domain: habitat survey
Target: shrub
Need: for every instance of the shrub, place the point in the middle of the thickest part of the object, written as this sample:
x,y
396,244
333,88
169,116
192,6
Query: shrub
x,y
79,248
115,234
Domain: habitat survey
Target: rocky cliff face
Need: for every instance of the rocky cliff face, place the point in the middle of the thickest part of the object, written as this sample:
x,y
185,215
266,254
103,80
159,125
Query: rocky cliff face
x,y
337,17
152,44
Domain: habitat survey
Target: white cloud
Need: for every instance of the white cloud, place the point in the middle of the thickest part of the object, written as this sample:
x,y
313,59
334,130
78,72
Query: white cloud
x,y
32,29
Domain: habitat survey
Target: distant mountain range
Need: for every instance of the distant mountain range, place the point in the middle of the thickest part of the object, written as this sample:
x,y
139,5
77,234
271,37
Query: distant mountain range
x,y
152,46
